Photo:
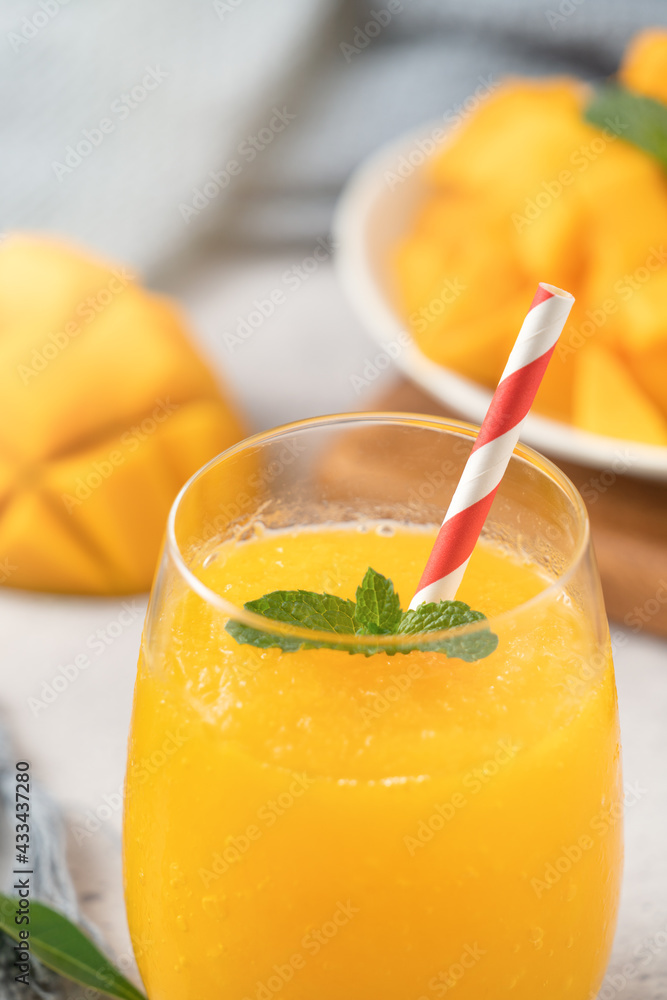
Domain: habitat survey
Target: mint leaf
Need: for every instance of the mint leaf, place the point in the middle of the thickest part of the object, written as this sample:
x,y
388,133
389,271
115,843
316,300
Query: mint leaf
x,y
446,615
639,120
323,612
60,945
378,605
376,612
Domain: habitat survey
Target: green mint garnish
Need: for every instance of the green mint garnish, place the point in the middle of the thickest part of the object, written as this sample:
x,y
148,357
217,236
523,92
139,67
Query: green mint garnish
x,y
323,612
445,615
638,120
377,611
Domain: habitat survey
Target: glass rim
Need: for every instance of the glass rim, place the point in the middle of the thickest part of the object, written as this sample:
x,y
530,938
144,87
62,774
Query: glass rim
x,y
378,642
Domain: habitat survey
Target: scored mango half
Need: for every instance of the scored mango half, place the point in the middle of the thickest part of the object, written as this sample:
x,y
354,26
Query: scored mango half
x,y
106,409
526,190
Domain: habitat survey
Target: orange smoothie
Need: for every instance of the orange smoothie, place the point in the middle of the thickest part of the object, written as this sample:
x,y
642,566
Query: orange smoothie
x,y
315,825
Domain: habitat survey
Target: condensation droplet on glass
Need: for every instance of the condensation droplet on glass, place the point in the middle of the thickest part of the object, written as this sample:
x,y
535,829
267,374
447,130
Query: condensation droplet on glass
x,y
176,876
181,922
210,906
536,937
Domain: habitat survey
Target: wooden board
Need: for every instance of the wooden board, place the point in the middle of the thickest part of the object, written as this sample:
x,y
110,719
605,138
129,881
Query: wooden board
x,y
628,525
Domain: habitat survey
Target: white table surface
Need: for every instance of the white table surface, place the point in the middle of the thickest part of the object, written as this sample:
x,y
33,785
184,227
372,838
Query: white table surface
x,y
298,363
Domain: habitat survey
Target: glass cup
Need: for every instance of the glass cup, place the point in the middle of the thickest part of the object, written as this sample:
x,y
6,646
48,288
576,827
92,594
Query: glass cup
x,y
318,823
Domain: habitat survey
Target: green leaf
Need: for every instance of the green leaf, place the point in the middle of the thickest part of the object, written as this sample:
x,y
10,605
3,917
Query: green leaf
x,y
639,120
306,609
61,946
323,612
378,605
377,612
446,615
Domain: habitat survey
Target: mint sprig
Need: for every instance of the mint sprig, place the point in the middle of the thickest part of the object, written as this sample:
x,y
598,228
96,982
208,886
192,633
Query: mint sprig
x,y
377,611
641,121
446,615
321,612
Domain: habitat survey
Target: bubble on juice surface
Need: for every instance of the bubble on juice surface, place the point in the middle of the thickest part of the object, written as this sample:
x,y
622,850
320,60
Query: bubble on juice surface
x,y
209,559
385,529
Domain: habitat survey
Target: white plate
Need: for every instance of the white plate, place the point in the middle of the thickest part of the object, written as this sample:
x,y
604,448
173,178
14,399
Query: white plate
x,y
373,213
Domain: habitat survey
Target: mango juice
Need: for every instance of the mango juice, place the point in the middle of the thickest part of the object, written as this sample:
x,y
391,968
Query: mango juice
x,y
316,825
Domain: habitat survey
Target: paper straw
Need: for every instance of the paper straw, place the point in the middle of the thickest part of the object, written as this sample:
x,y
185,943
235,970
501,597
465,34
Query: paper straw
x,y
495,443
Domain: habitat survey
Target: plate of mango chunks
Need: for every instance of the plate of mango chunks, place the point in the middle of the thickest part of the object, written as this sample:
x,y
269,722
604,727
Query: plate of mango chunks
x,y
444,234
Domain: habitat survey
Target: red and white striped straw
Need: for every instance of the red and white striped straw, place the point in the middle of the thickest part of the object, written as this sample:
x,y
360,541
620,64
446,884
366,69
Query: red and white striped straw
x,y
495,443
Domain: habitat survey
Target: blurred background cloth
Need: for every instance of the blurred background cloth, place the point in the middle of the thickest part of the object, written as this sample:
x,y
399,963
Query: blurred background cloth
x,y
156,129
